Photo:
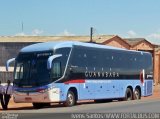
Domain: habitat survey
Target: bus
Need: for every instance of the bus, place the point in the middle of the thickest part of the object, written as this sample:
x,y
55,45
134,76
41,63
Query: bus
x,y
70,71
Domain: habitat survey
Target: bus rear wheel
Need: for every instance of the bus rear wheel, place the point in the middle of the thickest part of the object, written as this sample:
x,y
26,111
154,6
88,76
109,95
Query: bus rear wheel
x,y
128,95
137,94
71,100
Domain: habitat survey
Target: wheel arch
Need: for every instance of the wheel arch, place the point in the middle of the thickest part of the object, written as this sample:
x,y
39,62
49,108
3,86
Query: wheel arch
x,y
130,87
75,91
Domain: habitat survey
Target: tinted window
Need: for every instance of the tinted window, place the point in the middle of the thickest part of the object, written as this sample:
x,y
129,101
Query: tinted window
x,y
56,70
65,54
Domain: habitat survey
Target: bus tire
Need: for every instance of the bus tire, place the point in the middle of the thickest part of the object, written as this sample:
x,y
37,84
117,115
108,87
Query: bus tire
x,y
128,95
71,100
137,94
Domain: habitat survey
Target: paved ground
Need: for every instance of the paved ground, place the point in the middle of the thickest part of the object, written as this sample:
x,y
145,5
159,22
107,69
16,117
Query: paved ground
x,y
26,106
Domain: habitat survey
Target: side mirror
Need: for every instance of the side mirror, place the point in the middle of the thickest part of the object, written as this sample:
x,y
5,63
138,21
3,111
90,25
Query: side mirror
x,y
50,59
8,62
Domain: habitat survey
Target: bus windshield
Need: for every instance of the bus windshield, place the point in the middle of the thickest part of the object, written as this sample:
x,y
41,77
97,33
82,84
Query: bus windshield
x,y
31,71
31,68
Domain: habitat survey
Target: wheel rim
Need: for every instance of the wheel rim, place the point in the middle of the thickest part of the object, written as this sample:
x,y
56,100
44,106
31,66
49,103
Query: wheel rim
x,y
70,99
136,94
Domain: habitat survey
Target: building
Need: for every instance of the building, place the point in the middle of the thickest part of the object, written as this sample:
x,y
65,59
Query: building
x,y
9,47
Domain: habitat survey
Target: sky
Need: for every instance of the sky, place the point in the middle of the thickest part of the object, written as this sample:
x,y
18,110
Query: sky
x,y
125,18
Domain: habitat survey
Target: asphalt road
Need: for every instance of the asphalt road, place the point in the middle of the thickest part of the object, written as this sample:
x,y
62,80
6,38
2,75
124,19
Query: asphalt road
x,y
85,110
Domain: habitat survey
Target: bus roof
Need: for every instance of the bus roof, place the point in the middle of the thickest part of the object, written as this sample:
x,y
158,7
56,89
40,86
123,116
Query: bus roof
x,y
62,44
46,46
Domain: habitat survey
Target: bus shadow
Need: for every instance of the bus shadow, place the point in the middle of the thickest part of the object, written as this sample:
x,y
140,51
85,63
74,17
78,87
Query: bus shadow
x,y
55,105
17,108
81,103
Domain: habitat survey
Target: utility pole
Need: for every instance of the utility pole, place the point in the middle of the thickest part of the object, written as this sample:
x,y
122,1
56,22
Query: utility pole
x,y
91,34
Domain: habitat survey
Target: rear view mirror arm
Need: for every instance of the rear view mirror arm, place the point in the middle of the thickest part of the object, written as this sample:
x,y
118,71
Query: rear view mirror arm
x,y
50,59
8,63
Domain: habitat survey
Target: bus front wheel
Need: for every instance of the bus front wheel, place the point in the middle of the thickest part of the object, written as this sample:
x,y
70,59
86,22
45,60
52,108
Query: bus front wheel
x,y
71,100
128,95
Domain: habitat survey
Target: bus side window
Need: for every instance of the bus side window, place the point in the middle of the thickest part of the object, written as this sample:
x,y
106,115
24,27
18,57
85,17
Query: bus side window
x,y
19,72
56,70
